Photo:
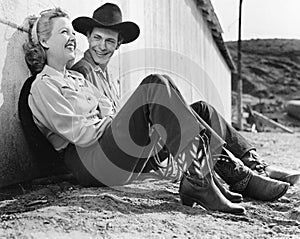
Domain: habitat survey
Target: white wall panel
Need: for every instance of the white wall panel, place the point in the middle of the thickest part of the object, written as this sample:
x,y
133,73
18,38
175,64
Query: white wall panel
x,y
174,40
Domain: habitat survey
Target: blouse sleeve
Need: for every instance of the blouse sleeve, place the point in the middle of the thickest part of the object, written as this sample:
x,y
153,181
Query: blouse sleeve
x,y
55,112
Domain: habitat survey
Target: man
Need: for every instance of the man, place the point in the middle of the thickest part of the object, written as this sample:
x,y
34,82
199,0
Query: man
x,y
105,32
102,44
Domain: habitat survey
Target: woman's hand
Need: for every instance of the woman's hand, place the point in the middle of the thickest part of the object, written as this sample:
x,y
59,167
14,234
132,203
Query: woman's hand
x,y
106,107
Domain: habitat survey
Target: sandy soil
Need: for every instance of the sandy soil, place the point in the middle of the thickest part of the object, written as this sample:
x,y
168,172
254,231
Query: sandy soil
x,y
53,208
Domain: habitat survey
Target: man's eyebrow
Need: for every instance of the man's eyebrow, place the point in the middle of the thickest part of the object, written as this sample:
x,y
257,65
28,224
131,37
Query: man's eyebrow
x,y
107,39
111,39
97,35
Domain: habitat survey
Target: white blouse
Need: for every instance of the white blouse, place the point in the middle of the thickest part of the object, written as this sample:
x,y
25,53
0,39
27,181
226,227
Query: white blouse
x,y
67,108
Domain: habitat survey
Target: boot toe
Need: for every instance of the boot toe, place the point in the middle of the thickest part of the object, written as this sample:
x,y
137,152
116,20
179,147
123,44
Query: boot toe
x,y
236,209
265,189
235,197
291,179
280,191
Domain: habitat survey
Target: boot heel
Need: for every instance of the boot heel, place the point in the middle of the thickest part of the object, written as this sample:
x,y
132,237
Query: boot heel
x,y
187,201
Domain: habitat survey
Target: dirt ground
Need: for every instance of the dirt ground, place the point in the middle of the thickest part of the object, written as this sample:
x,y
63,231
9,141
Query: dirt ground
x,y
53,208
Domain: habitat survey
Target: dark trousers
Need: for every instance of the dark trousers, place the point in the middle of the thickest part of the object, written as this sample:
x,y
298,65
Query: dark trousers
x,y
156,110
235,142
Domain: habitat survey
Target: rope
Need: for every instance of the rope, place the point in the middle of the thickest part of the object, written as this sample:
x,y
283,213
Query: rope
x,y
13,25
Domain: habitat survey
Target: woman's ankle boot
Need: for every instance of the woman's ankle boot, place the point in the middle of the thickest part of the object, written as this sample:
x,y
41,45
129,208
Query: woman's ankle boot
x,y
207,195
197,186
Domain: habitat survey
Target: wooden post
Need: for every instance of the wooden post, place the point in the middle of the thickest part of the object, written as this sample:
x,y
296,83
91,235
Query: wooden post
x,y
239,77
265,120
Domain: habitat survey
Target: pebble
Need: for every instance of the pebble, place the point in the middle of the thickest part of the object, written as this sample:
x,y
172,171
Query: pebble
x,y
295,214
284,200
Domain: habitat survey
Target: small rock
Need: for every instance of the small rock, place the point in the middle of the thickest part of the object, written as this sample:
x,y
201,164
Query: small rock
x,y
108,225
284,200
36,202
295,214
272,225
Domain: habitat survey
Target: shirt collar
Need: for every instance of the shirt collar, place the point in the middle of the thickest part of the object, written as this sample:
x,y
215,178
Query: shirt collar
x,y
89,58
53,72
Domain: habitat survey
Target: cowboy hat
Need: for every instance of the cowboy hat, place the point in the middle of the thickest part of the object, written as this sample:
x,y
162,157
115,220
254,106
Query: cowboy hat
x,y
108,16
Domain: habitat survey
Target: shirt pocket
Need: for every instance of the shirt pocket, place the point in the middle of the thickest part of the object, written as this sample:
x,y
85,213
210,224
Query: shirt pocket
x,y
81,99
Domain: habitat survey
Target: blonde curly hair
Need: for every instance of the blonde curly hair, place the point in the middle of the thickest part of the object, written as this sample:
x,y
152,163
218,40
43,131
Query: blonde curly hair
x,y
40,28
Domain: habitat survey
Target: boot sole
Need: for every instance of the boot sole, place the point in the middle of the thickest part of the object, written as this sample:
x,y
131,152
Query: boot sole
x,y
291,179
238,200
189,201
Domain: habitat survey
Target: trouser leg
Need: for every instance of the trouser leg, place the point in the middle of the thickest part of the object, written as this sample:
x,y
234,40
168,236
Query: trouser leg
x,y
155,105
235,142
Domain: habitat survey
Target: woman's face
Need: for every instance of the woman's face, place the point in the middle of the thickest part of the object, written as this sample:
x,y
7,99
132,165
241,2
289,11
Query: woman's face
x,y
62,43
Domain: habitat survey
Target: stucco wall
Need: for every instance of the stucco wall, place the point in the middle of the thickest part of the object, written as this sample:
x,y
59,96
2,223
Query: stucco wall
x,y
174,40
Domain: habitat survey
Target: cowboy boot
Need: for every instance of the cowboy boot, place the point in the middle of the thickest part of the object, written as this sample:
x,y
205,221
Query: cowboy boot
x,y
242,180
252,160
197,186
265,189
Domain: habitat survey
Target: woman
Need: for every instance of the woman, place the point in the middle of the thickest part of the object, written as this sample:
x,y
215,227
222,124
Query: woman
x,y
102,147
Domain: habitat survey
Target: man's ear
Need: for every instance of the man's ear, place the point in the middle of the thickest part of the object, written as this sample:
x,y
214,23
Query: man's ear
x,y
118,45
44,44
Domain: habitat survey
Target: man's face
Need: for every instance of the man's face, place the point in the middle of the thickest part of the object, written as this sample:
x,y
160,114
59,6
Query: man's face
x,y
102,44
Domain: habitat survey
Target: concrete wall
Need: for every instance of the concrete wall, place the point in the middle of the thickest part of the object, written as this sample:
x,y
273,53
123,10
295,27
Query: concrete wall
x,y
174,40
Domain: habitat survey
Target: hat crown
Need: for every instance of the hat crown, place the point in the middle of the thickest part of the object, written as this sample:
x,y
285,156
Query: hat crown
x,y
108,14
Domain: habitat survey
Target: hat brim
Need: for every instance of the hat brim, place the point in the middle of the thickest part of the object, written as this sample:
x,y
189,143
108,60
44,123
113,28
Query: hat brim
x,y
129,30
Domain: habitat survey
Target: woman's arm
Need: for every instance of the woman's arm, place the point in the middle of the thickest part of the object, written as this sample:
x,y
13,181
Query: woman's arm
x,y
56,113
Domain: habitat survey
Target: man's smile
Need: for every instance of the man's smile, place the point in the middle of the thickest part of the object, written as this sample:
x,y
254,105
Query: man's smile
x,y
102,54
